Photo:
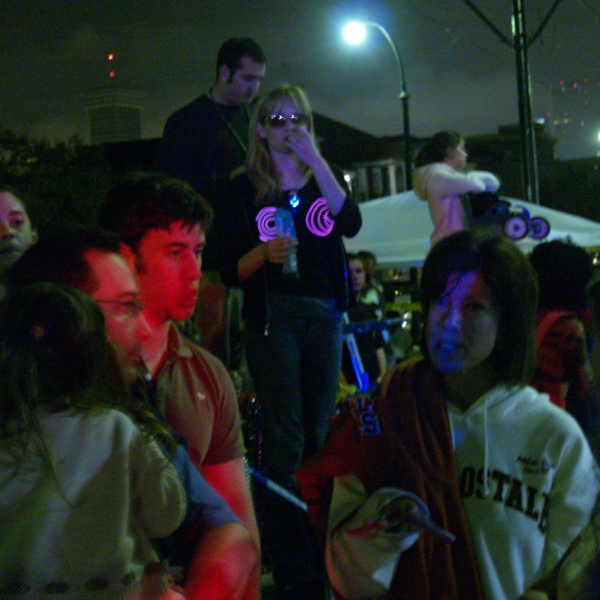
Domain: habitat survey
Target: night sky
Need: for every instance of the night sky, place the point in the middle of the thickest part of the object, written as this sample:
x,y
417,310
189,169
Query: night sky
x,y
460,75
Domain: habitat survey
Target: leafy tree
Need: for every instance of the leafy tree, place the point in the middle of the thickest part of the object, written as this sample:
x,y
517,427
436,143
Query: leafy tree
x,y
65,181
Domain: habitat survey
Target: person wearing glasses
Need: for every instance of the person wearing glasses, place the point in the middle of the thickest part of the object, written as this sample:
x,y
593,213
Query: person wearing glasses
x,y
83,488
212,548
281,241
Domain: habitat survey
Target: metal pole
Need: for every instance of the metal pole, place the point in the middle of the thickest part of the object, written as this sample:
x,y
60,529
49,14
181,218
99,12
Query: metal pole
x,y
527,130
407,148
403,96
521,43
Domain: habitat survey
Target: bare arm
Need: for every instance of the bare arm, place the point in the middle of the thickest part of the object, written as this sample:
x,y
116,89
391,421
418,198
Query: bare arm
x,y
223,565
229,479
382,362
444,181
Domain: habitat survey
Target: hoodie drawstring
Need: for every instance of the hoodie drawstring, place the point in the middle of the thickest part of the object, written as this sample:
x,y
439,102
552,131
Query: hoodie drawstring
x,y
486,486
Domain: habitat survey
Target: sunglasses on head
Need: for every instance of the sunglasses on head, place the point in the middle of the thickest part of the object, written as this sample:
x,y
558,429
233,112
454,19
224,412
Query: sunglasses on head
x,y
281,120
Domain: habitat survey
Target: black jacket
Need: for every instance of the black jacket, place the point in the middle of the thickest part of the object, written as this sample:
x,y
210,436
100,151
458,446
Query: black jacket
x,y
320,251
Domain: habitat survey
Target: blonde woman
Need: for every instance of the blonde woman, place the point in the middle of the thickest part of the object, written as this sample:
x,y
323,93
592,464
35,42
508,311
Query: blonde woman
x,y
295,289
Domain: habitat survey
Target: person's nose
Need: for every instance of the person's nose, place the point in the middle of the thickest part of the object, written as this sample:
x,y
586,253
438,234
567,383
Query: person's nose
x,y
6,230
192,269
452,318
142,329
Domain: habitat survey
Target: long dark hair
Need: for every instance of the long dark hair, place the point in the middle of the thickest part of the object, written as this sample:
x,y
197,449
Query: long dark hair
x,y
52,359
436,148
55,357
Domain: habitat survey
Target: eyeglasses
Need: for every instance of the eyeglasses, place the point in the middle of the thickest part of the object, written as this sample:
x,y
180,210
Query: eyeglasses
x,y
281,120
128,308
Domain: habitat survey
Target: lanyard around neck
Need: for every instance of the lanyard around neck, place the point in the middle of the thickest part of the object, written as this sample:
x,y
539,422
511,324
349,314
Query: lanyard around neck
x,y
229,126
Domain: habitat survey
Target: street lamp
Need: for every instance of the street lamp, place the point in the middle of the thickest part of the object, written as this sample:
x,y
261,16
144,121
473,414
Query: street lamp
x,y
355,33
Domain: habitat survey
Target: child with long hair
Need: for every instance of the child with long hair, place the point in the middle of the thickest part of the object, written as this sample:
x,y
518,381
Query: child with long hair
x,y
82,488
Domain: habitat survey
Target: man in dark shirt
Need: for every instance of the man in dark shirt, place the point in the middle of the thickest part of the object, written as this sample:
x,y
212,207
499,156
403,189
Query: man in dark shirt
x,y
202,143
208,138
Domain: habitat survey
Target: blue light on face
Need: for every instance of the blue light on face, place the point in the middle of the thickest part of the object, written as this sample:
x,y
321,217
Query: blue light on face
x,y
294,201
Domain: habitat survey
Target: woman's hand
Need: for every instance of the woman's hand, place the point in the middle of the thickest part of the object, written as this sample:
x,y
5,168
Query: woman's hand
x,y
302,144
276,251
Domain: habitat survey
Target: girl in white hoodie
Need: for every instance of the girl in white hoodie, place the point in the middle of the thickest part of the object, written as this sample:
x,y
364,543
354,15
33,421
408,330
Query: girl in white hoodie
x,y
506,472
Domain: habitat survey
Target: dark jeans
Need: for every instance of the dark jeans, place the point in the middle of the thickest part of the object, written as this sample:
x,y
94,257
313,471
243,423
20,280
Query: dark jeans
x,y
295,370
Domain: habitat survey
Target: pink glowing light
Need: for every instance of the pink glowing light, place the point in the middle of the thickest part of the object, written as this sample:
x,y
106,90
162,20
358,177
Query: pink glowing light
x,y
265,221
318,219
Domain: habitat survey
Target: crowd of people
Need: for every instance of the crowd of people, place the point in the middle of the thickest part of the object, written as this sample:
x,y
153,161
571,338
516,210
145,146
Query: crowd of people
x,y
468,472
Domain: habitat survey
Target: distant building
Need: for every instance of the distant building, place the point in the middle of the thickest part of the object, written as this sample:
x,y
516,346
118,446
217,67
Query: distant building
x,y
114,114
374,166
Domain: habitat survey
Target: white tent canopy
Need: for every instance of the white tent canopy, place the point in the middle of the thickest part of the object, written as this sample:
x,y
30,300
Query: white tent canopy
x,y
397,229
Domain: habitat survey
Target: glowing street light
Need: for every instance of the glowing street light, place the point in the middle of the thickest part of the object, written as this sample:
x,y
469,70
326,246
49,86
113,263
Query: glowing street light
x,y
355,33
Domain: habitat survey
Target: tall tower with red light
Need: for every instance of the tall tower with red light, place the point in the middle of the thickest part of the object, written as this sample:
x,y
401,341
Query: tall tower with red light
x,y
114,110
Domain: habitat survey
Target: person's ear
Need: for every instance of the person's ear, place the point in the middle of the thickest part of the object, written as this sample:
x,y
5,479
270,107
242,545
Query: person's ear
x,y
34,236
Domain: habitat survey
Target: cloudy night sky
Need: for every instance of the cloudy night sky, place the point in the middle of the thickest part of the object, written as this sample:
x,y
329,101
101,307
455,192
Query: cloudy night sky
x,y
459,73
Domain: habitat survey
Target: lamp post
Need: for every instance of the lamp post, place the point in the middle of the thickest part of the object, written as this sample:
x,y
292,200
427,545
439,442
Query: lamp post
x,y
355,33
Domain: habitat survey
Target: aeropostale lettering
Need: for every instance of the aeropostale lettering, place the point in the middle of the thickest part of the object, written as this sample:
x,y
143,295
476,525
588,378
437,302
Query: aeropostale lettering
x,y
507,490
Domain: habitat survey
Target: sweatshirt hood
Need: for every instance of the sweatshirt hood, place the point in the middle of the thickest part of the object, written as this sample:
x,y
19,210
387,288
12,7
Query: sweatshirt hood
x,y
494,406
501,400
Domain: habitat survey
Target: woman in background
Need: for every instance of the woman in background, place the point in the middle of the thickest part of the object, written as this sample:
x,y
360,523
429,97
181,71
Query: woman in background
x,y
563,367
439,178
370,344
